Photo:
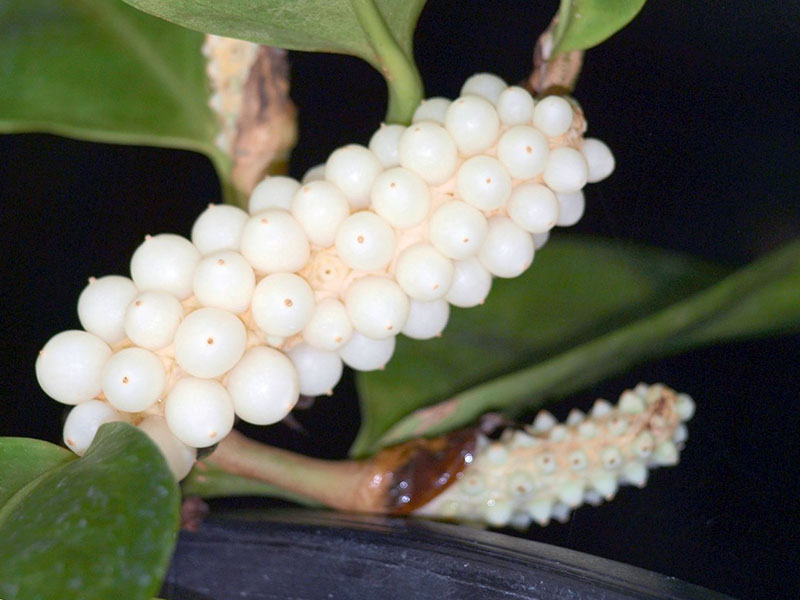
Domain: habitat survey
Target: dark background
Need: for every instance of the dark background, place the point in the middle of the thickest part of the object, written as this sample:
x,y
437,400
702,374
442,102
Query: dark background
x,y
699,102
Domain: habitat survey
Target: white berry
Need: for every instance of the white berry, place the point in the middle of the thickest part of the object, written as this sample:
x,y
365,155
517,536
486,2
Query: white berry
x,y
365,354
473,123
432,109
401,197
282,304
384,143
219,227
534,207
224,280
274,242
552,116
515,106
353,168
199,412
377,306
102,304
83,422
273,192
152,319
209,342
427,149
571,206
320,207
264,386
507,250
484,182
70,365
319,370
423,272
166,263
457,229
426,320
365,241
133,379
523,150
471,283
484,84
330,327
180,457
599,159
566,170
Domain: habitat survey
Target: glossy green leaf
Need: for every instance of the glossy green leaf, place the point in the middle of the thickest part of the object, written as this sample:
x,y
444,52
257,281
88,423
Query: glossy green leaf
x,y
103,71
24,459
102,526
585,311
585,23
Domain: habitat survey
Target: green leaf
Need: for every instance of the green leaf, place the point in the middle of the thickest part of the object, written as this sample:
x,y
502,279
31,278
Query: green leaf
x,y
586,311
585,23
24,459
102,526
102,71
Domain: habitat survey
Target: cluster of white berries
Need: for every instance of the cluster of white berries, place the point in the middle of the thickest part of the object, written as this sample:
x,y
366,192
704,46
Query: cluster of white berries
x,y
547,469
259,308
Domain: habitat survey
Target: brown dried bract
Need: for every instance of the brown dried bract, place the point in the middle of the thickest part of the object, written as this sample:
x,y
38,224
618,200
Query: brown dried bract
x,y
553,75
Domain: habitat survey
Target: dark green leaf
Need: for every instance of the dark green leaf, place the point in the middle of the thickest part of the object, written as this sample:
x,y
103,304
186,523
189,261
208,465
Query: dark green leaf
x,y
23,459
585,23
99,527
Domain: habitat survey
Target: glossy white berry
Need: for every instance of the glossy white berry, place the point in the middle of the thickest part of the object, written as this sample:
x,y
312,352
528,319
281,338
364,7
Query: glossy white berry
x,y
473,123
599,159
315,173
319,370
566,170
571,206
384,144
274,242
365,354
165,262
264,386
432,109
69,366
225,280
353,168
534,207
273,192
102,304
486,85
320,207
180,457
199,412
471,283
209,342
552,116
365,241
401,197
540,239
515,106
426,320
219,227
377,306
152,319
282,304
423,272
523,150
457,229
133,379
83,422
507,250
427,149
483,182
330,327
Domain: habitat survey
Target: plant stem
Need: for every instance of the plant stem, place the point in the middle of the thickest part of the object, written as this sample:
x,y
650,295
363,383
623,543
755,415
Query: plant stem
x,y
399,70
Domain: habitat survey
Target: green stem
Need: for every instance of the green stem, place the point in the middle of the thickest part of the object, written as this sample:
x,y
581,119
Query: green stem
x,y
401,74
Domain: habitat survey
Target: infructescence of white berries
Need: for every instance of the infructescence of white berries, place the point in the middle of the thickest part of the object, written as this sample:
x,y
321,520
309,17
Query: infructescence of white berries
x,y
259,308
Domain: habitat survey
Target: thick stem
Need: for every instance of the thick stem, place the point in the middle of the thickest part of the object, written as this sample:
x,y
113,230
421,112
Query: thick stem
x,y
399,70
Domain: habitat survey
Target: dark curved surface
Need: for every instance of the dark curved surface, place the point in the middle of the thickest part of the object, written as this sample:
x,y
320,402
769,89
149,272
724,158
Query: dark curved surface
x,y
295,554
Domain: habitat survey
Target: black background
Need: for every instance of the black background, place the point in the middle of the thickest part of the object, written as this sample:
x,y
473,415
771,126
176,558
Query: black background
x,y
698,100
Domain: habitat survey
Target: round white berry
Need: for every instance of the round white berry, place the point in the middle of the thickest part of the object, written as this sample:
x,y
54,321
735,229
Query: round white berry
x,y
180,457
423,272
319,370
523,150
330,326
209,342
571,207
473,123
384,143
552,116
320,207
152,319
282,304
83,422
427,149
274,242
401,197
432,109
483,182
515,106
599,159
457,229
133,379
273,192
533,207
471,283
264,386
377,306
69,366
224,280
365,354
353,168
165,262
365,241
507,250
199,412
566,170
102,304
315,173
219,227
540,239
486,85
426,320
